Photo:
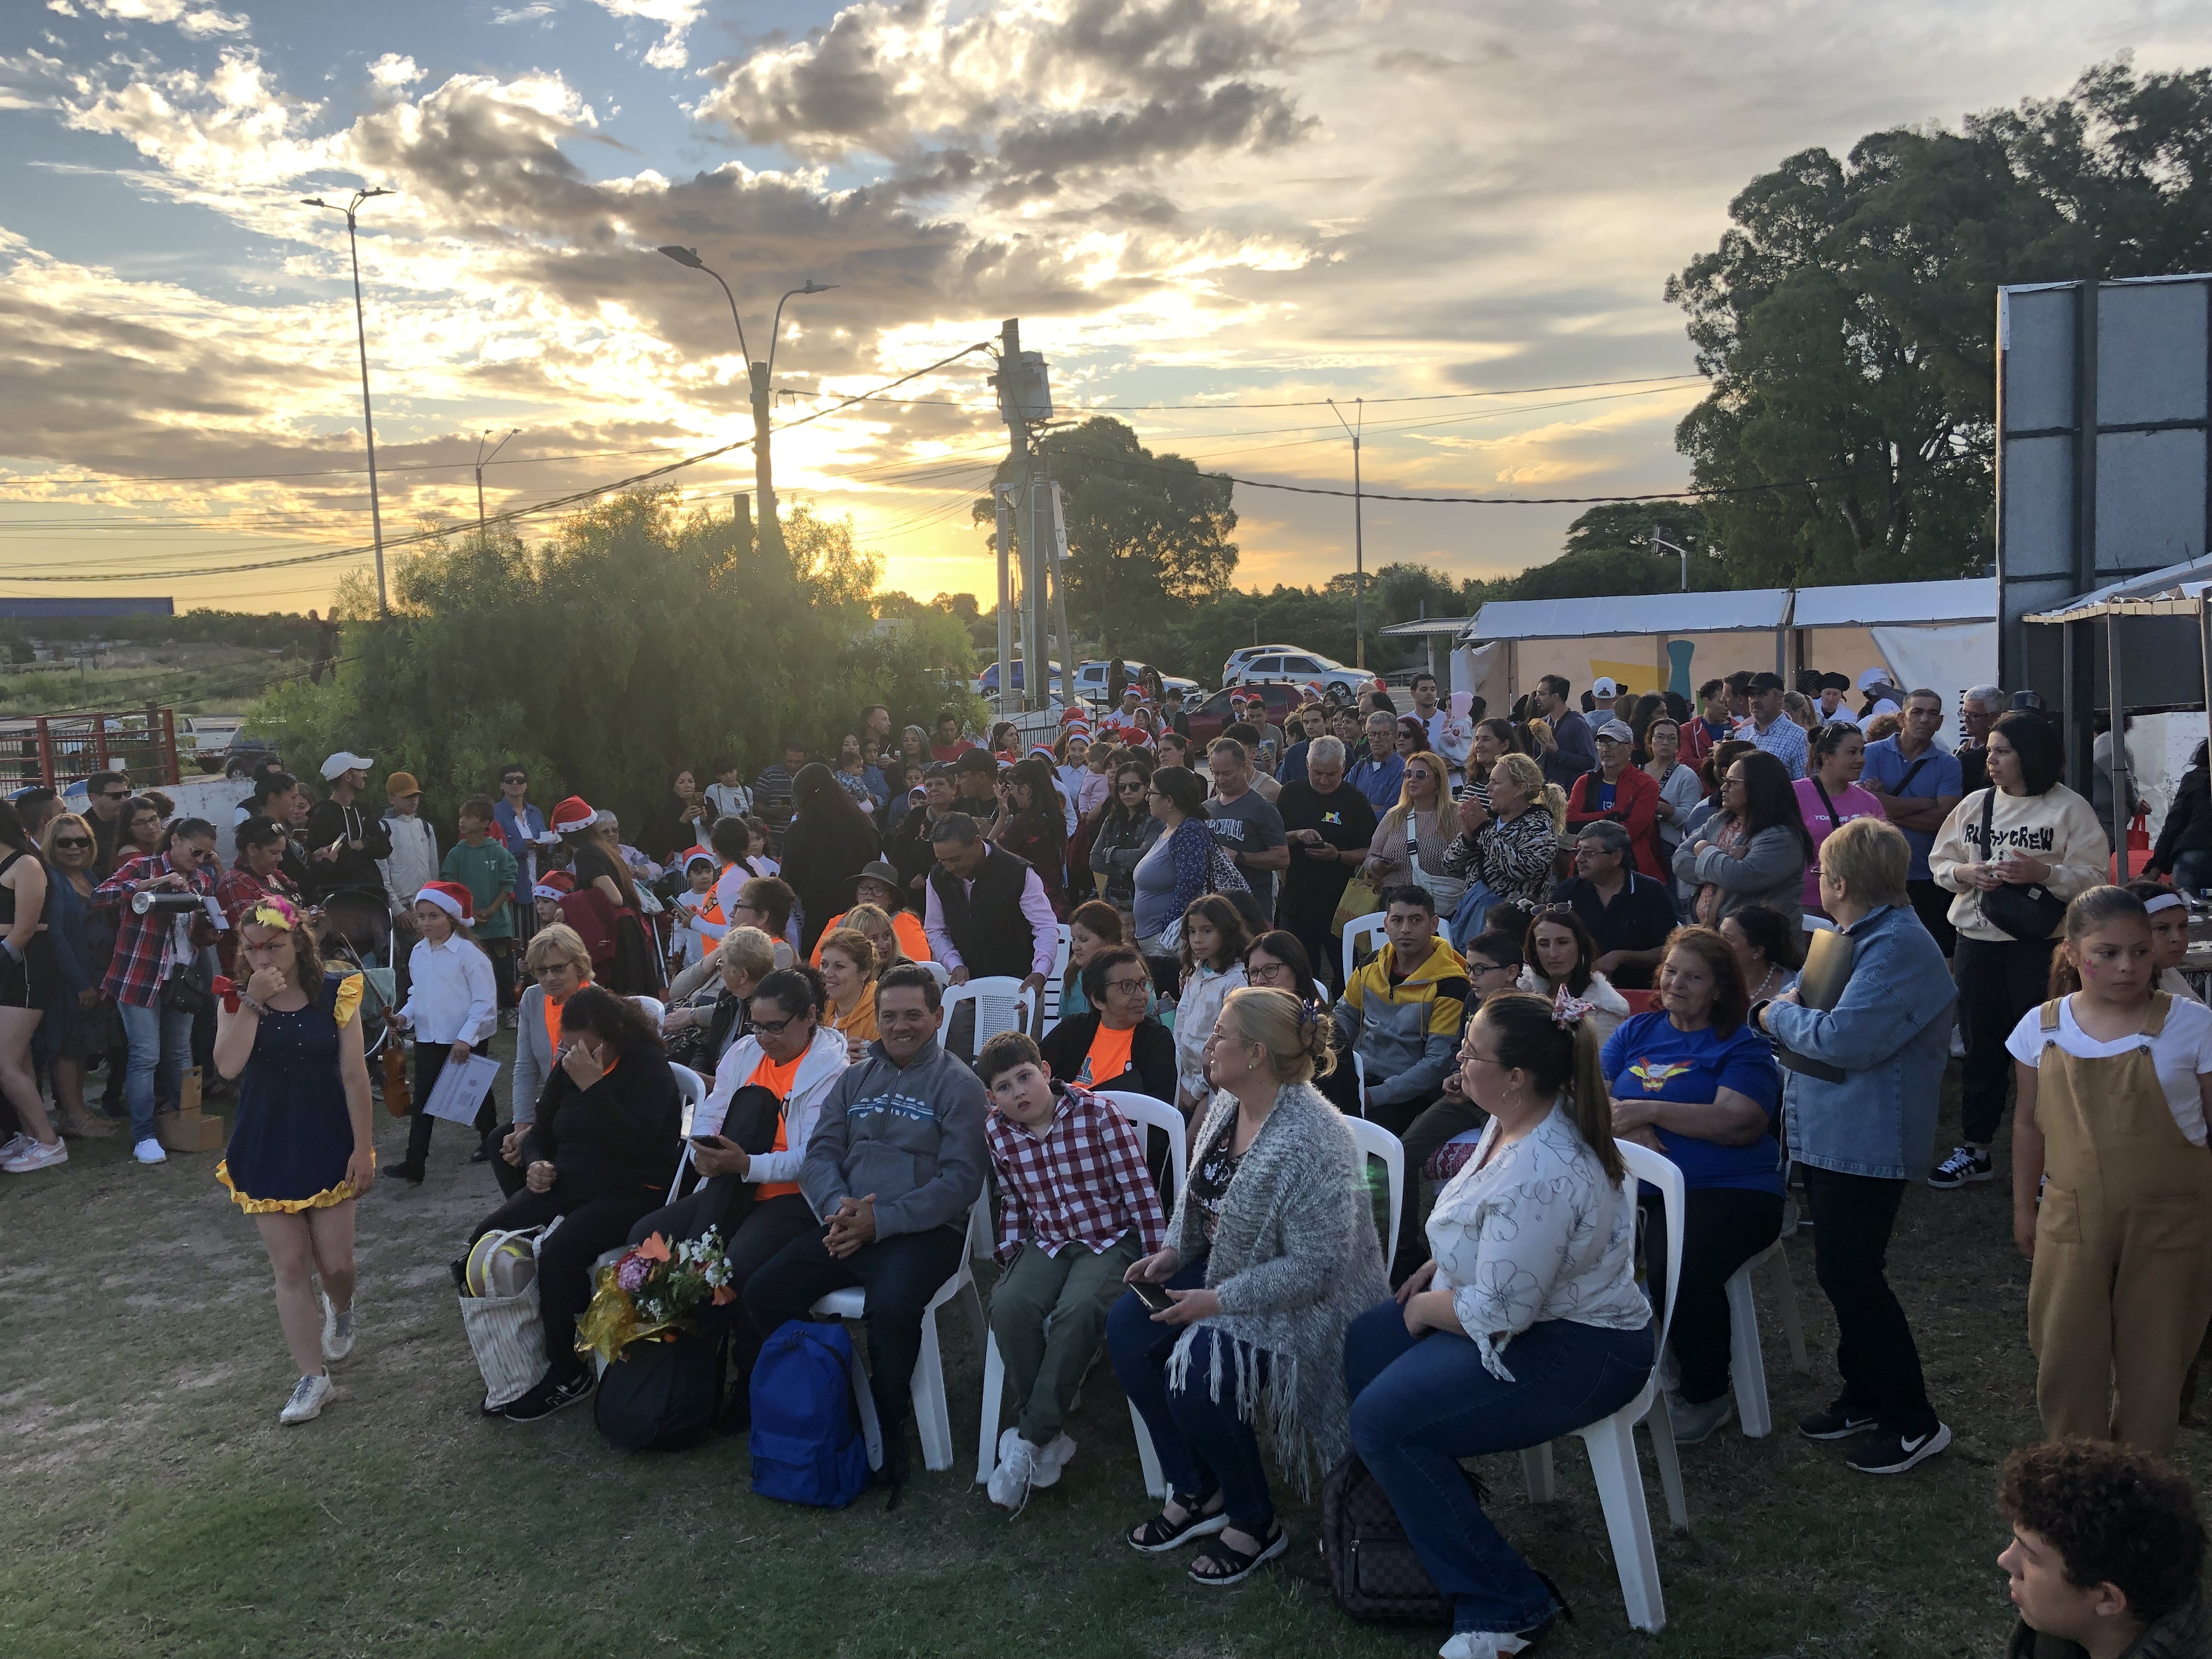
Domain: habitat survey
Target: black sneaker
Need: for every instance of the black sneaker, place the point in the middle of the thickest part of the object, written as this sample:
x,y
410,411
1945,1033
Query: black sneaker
x,y
1882,1452
1964,1165
1836,1422
549,1396
409,1173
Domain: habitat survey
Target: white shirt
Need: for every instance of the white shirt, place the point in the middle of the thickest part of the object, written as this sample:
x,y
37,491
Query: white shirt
x,y
1449,736
2181,1052
413,865
730,800
824,1063
1538,1232
451,994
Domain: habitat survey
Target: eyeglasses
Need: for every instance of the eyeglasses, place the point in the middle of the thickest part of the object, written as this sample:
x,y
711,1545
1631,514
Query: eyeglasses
x,y
776,1027
112,794
1127,987
64,842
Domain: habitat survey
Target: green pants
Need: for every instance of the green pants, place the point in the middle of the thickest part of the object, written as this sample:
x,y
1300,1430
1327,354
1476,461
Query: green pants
x,y
1049,1314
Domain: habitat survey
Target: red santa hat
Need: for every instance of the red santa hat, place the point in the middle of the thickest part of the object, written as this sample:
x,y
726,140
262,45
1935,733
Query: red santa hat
x,y
573,815
455,900
555,884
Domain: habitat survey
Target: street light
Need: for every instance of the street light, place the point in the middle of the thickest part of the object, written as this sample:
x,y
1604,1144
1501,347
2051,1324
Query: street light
x,y
771,527
1358,540
368,419
482,459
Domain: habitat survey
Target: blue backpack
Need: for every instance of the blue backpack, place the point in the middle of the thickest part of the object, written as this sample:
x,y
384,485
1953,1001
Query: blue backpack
x,y
805,1443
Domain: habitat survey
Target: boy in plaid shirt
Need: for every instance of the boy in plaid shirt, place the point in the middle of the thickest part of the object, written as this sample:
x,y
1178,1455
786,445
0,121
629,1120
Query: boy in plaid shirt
x,y
1076,1209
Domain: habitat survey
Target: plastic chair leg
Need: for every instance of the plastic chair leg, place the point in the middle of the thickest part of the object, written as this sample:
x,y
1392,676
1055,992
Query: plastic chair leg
x,y
1149,1460
1664,1453
987,1433
864,1398
1785,1303
1612,1446
932,1416
1536,1470
1747,1362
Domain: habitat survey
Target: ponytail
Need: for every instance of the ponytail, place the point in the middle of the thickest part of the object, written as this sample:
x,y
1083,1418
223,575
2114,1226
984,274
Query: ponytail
x,y
2090,909
1559,1059
1555,803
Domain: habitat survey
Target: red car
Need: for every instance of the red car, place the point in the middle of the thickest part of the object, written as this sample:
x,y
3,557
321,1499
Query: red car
x,y
1211,718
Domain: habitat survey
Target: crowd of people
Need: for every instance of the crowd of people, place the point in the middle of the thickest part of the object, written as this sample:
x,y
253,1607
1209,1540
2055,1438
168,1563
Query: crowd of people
x,y
1589,923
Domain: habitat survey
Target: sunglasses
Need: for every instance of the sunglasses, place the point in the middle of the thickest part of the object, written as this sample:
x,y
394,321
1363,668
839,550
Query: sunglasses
x,y
64,841
112,794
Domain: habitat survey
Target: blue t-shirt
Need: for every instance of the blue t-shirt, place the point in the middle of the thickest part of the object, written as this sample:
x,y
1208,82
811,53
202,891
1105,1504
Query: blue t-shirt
x,y
1646,1058
1886,765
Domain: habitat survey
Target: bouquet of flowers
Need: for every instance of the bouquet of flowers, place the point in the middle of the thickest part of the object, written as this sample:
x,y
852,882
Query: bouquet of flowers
x,y
651,1292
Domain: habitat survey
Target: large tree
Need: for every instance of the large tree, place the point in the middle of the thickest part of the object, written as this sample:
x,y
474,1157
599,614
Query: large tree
x,y
1848,318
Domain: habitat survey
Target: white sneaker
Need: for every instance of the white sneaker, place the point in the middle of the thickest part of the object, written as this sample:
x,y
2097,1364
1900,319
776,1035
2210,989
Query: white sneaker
x,y
36,1157
14,1144
337,1332
1482,1645
1051,1459
306,1404
1011,1481
148,1150
1958,1042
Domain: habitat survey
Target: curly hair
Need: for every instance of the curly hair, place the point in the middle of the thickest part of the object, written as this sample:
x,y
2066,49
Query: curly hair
x,y
2117,1516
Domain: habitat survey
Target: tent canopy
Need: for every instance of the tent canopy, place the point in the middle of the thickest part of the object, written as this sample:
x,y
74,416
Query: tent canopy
x,y
1883,604
2178,590
1729,611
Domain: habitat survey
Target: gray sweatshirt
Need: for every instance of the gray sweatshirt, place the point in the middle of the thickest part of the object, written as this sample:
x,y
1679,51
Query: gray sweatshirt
x,y
912,1135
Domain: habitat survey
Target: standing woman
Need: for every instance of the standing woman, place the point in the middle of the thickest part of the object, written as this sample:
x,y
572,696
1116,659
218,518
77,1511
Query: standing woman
x,y
300,1150
830,839
682,822
27,978
80,1022
1829,795
1030,826
1511,844
1421,825
848,985
1677,784
141,829
1525,1324
2025,831
2111,1180
1754,851
1123,830
913,747
1176,870
1493,741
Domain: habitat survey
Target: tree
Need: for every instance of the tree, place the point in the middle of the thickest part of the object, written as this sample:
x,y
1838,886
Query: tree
x,y
1847,320
1147,535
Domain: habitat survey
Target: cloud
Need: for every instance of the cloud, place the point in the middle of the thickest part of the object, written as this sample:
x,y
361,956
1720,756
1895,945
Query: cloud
x,y
197,22
393,71
675,18
538,12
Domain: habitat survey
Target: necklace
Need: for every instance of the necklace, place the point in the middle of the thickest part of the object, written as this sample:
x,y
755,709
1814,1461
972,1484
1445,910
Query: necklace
x,y
1772,969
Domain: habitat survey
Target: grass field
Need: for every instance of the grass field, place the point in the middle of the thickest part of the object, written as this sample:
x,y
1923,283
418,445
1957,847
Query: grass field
x,y
154,1506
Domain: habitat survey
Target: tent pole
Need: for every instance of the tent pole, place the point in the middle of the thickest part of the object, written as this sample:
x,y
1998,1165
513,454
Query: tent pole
x,y
2124,782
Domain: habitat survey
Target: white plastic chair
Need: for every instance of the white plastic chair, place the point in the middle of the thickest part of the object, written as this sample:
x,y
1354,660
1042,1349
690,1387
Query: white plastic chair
x,y
1746,1359
931,1416
1375,1141
1611,1441
1001,1002
1322,991
1360,927
1050,1017
1146,1113
654,1010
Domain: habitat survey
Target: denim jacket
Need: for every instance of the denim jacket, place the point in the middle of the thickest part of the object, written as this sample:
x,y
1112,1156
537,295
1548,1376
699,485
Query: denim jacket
x,y
1892,1035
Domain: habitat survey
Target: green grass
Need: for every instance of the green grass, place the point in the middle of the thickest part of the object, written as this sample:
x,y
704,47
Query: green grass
x,y
154,1506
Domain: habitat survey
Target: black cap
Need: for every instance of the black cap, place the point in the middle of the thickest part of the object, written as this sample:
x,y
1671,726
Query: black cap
x,y
1835,681
1765,682
975,760
941,769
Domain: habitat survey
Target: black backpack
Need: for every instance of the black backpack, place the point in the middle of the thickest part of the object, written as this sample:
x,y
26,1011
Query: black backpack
x,y
664,1396
1373,1572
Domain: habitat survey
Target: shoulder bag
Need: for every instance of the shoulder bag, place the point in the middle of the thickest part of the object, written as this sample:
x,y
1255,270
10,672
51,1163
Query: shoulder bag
x,y
1447,890
2030,913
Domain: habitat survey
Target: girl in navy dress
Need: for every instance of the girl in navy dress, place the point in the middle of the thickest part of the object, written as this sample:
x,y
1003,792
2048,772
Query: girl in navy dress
x,y
301,1153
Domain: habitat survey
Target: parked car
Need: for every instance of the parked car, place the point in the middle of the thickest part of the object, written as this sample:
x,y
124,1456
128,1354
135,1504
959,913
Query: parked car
x,y
1300,668
987,683
1212,717
1091,680
1244,653
207,739
245,754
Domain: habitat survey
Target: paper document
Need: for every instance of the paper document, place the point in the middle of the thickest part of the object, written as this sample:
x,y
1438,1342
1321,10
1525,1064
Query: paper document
x,y
460,1089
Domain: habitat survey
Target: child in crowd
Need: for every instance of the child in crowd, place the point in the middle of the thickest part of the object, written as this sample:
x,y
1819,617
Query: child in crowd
x,y
2106,1554
1214,939
2169,935
1077,1209
478,862
452,1005
729,798
693,919
2114,1081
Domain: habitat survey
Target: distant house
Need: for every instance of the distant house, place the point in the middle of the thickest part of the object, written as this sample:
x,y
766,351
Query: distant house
x,y
47,610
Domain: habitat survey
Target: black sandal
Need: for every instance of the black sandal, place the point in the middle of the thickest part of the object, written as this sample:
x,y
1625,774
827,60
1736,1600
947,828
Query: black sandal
x,y
1159,1534
1241,1566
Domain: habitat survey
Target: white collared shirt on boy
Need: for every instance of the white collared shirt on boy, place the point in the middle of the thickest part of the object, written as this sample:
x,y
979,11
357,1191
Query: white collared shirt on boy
x,y
451,996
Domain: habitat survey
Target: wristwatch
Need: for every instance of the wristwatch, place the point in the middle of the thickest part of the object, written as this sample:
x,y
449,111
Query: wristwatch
x,y
1758,1014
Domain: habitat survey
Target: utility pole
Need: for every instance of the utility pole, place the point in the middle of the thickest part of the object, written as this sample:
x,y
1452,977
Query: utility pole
x,y
1658,540
1358,533
367,418
482,459
1024,401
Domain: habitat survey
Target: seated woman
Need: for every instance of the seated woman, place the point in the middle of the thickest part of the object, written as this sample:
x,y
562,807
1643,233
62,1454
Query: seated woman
x,y
1117,1044
1559,950
1271,1251
1768,949
1525,1324
701,1029
752,1199
1276,961
848,985
1091,926
1697,1082
598,1155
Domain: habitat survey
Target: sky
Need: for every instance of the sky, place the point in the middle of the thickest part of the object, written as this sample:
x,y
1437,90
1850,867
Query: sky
x,y
1210,215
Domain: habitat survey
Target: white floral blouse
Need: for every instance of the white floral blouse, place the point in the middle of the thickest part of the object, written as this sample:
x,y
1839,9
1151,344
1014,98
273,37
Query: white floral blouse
x,y
1537,1232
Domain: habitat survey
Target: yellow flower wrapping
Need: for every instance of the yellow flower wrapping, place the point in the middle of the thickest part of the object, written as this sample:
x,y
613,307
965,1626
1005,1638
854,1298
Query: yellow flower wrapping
x,y
612,1323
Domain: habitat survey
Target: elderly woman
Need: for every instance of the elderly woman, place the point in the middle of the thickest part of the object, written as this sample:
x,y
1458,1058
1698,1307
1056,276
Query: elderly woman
x,y
849,987
1272,1251
1693,1080
599,1154
878,884
561,963
1753,850
1116,1043
1419,827
1525,1325
1860,1139
700,1029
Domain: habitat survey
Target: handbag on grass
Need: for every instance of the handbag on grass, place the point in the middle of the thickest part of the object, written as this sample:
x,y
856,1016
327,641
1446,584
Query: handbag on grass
x,y
2027,913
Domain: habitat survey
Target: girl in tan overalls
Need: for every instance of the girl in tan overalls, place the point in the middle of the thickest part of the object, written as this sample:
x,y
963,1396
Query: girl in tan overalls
x,y
2114,1081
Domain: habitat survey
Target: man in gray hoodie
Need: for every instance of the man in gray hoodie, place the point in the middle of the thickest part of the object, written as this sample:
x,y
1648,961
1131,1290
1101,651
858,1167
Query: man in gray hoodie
x,y
892,1169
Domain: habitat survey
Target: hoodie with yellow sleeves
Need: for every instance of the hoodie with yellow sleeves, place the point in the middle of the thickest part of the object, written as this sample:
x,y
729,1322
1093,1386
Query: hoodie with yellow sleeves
x,y
1405,1032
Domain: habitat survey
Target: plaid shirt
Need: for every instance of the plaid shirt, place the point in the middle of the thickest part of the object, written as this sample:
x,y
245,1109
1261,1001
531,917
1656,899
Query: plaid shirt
x,y
143,952
237,892
1084,1182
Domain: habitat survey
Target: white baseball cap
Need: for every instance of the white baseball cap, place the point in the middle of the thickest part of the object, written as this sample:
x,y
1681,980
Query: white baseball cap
x,y
344,762
1603,686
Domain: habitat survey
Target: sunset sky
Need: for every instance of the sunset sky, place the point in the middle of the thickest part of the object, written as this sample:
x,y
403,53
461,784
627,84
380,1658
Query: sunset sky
x,y
1212,205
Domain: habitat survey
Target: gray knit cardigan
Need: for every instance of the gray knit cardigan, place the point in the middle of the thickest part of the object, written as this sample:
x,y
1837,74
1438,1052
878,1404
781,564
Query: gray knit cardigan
x,y
1295,1260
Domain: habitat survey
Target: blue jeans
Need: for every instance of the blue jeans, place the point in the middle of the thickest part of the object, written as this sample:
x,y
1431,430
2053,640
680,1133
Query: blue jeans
x,y
1421,1404
1204,1446
157,1035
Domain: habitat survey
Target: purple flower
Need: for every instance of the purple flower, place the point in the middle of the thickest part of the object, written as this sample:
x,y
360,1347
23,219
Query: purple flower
x,y
631,1273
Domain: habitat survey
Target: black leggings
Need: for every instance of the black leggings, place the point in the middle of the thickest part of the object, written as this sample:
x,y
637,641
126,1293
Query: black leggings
x,y
589,1227
1998,983
1723,1228
431,1060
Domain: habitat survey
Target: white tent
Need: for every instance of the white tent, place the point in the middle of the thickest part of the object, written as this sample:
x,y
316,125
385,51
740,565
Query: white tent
x,y
1939,635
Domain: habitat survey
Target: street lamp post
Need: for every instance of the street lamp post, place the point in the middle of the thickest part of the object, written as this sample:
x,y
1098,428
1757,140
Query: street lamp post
x,y
771,526
483,458
368,418
1358,534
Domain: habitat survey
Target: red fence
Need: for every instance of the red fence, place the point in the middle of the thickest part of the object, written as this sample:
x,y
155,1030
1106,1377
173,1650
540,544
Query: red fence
x,y
58,749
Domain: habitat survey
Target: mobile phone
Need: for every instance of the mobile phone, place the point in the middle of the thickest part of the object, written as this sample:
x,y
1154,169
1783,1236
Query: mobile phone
x,y
706,1141
1152,1296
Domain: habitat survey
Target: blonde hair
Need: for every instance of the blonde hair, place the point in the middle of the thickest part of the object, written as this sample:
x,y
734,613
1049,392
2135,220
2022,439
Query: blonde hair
x,y
53,828
747,951
1871,858
557,942
855,945
1299,1037
1523,773
872,915
1396,817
